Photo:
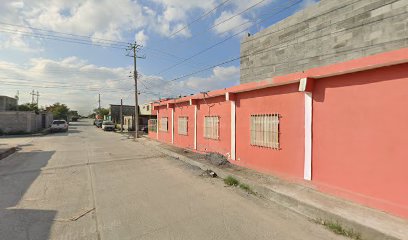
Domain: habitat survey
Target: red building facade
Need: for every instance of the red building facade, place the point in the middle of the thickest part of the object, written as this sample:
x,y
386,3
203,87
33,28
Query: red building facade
x,y
341,127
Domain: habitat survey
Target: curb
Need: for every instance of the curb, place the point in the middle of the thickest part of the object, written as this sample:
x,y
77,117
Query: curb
x,y
8,152
309,211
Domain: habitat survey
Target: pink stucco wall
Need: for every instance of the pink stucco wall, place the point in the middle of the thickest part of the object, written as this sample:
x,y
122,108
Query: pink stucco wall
x,y
164,112
216,106
360,126
360,136
288,102
184,109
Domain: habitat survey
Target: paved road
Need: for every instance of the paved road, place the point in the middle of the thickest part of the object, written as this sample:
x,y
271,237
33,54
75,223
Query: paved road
x,y
90,184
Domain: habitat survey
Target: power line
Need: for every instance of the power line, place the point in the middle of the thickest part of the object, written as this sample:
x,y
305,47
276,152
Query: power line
x,y
66,87
61,39
217,44
104,43
62,33
249,54
199,18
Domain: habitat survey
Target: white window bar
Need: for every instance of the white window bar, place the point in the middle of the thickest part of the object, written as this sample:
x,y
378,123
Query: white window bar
x,y
164,124
182,125
265,130
211,127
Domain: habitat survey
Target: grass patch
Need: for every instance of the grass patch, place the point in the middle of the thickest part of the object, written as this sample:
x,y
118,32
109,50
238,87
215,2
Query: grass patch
x,y
231,181
246,188
337,228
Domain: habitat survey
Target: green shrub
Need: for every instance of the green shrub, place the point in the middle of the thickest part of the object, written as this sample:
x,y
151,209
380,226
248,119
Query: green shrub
x,y
231,181
247,188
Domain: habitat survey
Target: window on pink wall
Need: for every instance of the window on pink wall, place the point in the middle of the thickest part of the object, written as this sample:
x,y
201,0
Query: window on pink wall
x,y
182,125
164,126
211,127
265,130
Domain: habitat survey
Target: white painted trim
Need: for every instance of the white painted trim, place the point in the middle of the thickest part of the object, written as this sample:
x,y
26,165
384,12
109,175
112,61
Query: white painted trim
x,y
307,175
172,125
195,127
157,125
233,129
302,84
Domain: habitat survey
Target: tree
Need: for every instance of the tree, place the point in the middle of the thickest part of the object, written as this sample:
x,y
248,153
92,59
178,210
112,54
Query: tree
x,y
59,111
101,111
28,107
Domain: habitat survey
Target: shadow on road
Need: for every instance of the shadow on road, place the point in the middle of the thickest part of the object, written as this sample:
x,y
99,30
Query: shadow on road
x,y
17,174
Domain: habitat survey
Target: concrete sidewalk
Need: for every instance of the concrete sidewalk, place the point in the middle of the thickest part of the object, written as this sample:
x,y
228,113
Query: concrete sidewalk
x,y
370,223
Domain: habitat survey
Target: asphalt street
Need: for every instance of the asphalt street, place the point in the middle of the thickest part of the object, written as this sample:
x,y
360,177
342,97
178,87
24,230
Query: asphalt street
x,y
91,184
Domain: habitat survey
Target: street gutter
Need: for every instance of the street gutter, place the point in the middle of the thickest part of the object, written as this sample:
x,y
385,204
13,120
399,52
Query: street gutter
x,y
306,201
7,152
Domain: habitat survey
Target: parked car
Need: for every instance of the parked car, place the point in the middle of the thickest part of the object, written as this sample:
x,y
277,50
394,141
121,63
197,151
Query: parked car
x,y
59,126
108,126
98,123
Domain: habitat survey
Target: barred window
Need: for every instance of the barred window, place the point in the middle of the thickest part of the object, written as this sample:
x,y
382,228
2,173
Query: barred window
x,y
164,124
152,125
265,130
211,127
182,125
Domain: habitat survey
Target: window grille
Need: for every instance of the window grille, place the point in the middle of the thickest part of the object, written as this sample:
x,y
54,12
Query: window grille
x,y
182,125
152,125
265,130
211,127
164,124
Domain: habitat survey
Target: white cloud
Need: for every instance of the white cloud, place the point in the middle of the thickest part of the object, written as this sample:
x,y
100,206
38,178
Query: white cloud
x,y
221,77
141,38
227,23
175,15
71,80
106,19
99,19
238,17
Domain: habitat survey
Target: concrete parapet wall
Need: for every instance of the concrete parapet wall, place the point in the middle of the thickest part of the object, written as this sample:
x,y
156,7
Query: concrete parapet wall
x,y
326,33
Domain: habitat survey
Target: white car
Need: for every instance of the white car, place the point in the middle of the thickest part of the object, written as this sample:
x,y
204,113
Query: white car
x,y
108,126
59,126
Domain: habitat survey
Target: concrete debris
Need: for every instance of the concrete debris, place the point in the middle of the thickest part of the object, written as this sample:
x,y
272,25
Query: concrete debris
x,y
217,159
209,173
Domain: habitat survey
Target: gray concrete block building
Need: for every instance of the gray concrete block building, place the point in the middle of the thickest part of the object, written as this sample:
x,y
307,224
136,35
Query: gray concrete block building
x,y
8,103
326,33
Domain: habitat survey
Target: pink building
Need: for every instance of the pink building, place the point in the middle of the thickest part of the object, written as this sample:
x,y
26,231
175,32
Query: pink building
x,y
341,127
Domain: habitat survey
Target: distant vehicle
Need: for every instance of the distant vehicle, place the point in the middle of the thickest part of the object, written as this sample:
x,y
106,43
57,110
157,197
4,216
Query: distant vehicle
x,y
98,123
108,126
59,126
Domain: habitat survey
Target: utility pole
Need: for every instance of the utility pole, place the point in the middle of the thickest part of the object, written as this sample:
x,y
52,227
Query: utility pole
x,y
32,97
38,96
121,115
99,101
134,47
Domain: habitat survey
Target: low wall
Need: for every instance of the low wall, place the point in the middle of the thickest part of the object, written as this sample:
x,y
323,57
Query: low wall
x,y
19,121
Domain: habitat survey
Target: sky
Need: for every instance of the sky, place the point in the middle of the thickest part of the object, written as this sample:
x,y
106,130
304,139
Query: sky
x,y
70,51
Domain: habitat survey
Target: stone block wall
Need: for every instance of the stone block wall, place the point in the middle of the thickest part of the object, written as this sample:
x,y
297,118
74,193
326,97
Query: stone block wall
x,y
19,121
326,33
